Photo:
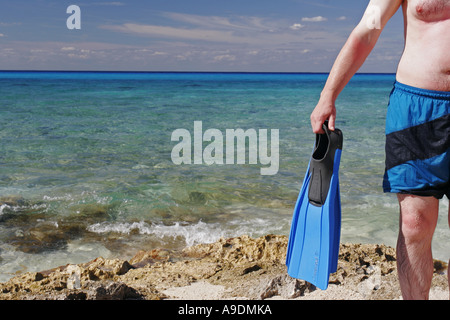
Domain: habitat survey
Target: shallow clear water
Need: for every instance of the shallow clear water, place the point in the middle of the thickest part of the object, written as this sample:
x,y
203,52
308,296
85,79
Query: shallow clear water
x,y
86,167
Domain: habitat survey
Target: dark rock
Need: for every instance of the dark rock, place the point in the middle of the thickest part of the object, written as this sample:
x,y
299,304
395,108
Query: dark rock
x,y
112,291
43,237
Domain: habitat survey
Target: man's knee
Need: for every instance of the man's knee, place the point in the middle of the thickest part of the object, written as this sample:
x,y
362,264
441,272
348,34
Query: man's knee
x,y
414,226
418,217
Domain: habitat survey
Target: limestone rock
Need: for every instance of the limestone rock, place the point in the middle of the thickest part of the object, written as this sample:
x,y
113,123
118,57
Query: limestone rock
x,y
244,267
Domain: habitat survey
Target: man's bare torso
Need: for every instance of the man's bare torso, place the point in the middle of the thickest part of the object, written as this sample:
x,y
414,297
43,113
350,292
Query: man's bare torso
x,y
425,62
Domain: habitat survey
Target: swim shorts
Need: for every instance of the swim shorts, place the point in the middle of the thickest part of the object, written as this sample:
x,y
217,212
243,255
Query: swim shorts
x,y
417,142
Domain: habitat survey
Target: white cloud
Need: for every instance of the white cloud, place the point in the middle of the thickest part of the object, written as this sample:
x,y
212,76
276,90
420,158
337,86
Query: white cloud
x,y
212,28
2,35
159,53
242,23
314,19
174,32
114,3
225,57
249,30
342,18
111,3
77,56
296,26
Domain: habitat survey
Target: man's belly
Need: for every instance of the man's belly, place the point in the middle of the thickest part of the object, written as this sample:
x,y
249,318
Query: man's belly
x,y
426,61
427,69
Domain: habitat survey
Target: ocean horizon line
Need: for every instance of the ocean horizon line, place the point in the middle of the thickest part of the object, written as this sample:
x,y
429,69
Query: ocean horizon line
x,y
186,72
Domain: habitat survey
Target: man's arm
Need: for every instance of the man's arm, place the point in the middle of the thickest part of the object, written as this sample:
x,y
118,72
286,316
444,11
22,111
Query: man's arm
x,y
351,57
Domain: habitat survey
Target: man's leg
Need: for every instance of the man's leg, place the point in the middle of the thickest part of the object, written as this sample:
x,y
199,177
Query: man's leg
x,y
418,219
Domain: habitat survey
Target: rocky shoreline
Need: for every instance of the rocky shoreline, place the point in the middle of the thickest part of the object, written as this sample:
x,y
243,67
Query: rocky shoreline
x,y
235,268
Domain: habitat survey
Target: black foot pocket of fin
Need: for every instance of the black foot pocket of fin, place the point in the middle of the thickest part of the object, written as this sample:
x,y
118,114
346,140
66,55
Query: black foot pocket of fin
x,y
322,164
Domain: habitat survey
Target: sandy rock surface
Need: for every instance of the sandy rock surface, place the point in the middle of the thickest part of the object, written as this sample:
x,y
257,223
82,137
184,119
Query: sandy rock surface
x,y
236,268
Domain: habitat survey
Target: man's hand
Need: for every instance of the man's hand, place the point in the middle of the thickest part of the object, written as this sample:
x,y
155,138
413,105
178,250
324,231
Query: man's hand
x,y
325,110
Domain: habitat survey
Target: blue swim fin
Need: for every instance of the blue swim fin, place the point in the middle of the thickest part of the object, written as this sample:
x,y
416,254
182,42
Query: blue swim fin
x,y
313,246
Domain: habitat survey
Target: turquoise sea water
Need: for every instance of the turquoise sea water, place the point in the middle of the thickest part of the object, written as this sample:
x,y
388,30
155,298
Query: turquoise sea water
x,y
86,167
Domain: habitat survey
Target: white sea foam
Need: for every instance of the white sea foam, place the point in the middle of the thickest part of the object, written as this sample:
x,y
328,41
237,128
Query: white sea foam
x,y
2,207
193,234
19,208
120,227
202,232
66,197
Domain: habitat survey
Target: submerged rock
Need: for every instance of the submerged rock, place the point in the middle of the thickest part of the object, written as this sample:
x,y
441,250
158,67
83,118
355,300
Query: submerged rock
x,y
40,238
13,201
32,228
16,210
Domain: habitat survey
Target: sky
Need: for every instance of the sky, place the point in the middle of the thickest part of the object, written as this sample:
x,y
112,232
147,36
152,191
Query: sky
x,y
188,35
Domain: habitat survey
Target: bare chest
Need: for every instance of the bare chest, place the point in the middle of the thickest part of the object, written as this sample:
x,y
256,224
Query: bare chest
x,y
430,10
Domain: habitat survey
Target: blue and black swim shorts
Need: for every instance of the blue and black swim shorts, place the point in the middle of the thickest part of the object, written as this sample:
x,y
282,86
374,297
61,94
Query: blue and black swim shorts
x,y
418,142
